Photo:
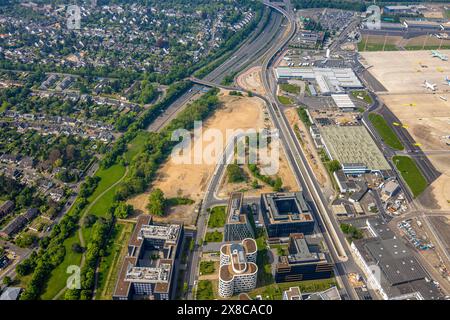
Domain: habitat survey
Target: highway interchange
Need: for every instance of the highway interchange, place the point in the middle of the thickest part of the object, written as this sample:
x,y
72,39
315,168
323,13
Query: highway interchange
x,y
248,54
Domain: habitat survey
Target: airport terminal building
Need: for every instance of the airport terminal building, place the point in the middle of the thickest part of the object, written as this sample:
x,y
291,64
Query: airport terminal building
x,y
329,80
286,213
149,270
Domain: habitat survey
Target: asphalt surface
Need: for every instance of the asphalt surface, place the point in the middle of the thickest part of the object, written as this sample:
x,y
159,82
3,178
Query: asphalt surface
x,y
246,55
334,240
428,170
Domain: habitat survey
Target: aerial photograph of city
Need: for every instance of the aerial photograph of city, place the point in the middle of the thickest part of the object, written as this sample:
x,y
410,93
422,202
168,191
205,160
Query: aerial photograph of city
x,y
224,152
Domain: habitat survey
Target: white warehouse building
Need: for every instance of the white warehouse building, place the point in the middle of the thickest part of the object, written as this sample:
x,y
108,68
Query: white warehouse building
x,y
238,269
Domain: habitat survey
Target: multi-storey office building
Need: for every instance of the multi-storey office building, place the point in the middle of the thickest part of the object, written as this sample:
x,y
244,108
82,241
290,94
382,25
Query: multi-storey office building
x,y
304,262
150,268
286,213
238,269
237,227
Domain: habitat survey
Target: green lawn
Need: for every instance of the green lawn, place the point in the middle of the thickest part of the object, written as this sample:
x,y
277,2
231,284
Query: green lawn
x,y
3,107
204,290
217,217
207,267
290,88
100,208
430,47
59,275
215,236
386,132
362,95
284,100
371,46
411,174
447,13
275,291
137,145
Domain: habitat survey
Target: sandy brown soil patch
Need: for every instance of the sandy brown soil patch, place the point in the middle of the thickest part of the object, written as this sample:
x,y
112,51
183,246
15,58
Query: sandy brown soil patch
x,y
190,180
251,80
309,149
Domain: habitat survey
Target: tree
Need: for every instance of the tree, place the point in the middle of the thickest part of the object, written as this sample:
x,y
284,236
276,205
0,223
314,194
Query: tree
x,y
25,240
235,173
278,184
334,165
77,248
123,210
156,202
7,281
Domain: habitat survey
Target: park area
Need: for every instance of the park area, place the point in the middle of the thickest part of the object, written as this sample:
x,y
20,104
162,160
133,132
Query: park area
x,y
98,206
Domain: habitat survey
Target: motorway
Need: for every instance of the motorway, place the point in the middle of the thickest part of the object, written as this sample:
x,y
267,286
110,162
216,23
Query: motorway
x,y
249,53
334,239
343,261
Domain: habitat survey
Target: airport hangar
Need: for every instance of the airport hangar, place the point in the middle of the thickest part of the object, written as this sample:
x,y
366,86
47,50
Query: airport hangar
x,y
329,80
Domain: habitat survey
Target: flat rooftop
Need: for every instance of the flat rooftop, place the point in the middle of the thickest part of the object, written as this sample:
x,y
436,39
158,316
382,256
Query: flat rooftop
x,y
234,208
287,207
328,79
166,232
238,259
146,263
353,144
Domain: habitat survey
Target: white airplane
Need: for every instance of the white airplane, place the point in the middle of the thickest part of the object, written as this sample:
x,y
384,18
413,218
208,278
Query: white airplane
x,y
447,81
437,54
429,86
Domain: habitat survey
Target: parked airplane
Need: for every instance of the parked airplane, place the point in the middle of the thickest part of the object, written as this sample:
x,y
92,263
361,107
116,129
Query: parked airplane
x,y
439,55
447,81
429,86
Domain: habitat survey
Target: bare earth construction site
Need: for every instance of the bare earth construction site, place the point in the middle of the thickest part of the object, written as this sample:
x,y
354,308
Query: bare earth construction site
x,y
424,113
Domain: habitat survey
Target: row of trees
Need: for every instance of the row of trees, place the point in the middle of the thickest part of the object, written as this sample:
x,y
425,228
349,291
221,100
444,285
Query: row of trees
x,y
159,146
337,4
276,184
142,170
